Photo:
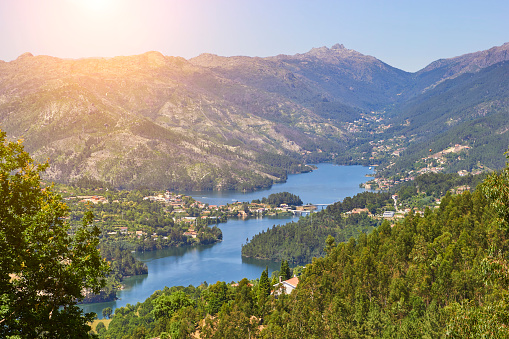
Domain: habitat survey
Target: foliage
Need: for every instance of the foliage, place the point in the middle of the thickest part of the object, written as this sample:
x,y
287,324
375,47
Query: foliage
x,y
277,199
123,263
45,270
167,305
129,209
439,275
300,241
426,188
285,272
107,312
264,285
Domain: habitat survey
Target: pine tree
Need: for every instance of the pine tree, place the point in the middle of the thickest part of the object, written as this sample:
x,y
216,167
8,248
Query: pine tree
x,y
285,271
264,286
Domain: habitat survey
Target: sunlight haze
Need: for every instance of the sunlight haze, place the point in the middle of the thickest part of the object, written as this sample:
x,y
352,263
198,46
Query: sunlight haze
x,y
407,35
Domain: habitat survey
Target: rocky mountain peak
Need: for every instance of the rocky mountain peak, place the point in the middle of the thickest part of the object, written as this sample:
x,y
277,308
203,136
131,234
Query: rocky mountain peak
x,y
338,54
154,59
25,56
338,46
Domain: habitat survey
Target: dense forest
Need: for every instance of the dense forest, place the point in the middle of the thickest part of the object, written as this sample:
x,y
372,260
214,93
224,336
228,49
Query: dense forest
x,y
443,274
304,239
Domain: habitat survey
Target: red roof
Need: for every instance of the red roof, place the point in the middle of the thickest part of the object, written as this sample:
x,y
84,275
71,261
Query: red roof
x,y
292,281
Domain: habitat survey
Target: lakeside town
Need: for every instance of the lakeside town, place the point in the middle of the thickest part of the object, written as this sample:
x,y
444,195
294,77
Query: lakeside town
x,y
189,214
434,163
115,213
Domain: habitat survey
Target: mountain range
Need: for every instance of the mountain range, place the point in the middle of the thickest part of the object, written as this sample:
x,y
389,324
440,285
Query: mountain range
x,y
215,122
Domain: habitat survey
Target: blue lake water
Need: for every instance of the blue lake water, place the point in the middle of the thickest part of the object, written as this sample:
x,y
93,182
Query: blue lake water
x,y
325,185
222,261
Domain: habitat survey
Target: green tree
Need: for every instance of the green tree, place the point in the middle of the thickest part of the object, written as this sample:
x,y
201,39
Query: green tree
x,y
235,324
330,243
264,288
44,270
100,328
107,312
285,271
264,285
166,305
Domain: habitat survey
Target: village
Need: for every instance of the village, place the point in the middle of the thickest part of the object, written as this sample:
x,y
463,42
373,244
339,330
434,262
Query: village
x,y
165,215
434,163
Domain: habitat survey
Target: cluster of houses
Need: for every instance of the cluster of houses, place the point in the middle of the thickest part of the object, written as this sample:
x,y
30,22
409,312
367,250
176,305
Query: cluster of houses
x,y
432,163
94,199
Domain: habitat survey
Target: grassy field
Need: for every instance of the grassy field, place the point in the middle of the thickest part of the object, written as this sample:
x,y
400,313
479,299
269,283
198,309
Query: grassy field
x,y
94,323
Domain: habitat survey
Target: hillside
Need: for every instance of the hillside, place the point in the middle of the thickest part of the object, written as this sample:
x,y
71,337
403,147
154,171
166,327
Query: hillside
x,y
301,241
469,110
156,121
439,275
444,69
242,123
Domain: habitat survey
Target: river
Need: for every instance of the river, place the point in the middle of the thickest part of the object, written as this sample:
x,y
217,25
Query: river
x,y
222,261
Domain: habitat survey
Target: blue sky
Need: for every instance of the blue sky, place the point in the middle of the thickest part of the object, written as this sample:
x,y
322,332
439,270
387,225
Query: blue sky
x,y
405,34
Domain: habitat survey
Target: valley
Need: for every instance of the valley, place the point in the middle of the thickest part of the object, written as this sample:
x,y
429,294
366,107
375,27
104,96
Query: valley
x,y
123,137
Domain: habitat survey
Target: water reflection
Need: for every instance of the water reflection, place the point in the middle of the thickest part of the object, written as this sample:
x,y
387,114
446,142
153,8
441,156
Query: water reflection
x,y
174,252
273,266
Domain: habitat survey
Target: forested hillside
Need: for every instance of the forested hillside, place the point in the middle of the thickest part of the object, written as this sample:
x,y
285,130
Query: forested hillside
x,y
300,241
471,110
443,274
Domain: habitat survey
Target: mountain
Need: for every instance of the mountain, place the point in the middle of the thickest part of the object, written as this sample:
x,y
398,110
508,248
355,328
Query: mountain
x,y
335,76
443,69
157,121
215,122
470,109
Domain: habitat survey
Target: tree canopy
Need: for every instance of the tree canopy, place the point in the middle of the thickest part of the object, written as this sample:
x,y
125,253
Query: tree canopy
x,y
45,266
277,199
442,274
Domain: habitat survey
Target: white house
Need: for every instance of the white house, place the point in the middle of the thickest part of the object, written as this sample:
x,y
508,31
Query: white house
x,y
288,285
388,214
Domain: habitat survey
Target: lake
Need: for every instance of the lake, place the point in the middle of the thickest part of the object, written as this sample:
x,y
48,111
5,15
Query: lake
x,y
222,261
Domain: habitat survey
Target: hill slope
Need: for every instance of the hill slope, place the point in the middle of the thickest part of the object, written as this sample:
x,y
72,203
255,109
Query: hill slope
x,y
471,110
155,120
236,122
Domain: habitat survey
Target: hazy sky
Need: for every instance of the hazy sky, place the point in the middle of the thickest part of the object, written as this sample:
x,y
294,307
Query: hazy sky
x,y
407,34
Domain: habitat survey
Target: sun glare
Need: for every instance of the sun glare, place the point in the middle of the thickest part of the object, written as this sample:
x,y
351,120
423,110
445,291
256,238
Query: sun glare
x,y
94,5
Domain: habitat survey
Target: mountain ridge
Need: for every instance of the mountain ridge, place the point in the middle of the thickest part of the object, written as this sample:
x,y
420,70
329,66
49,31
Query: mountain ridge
x,y
210,122
100,110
